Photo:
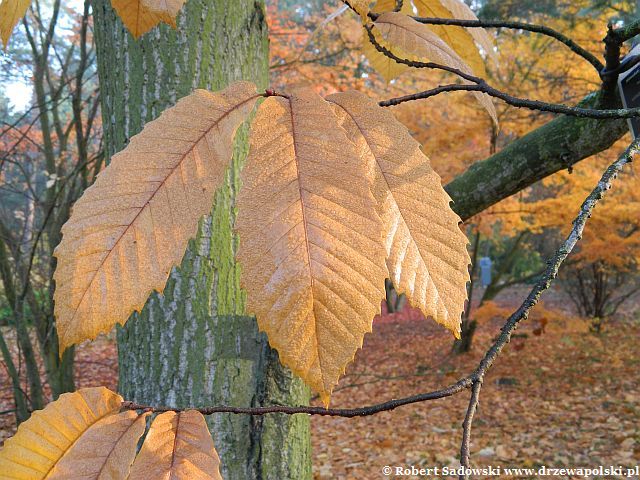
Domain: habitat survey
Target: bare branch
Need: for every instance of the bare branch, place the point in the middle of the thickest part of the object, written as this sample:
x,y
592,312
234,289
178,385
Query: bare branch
x,y
528,27
480,85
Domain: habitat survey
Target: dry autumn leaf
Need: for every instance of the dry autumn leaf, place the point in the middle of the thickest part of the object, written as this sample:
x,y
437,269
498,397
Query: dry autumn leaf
x,y
140,16
461,40
461,11
426,250
82,436
312,238
105,451
11,11
132,226
311,244
382,6
411,40
43,440
387,67
177,447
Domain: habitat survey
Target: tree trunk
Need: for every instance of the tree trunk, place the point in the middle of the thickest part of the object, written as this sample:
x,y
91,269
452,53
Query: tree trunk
x,y
194,346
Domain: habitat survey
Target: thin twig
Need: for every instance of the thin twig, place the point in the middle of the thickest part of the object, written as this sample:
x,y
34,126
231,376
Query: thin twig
x,y
543,30
517,102
331,412
553,266
561,254
465,445
480,85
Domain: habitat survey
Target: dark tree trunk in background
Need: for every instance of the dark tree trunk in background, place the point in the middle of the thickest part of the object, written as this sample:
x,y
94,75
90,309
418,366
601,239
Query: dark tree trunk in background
x,y
195,346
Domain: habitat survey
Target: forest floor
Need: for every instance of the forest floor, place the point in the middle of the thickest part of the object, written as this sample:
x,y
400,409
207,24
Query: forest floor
x,y
562,398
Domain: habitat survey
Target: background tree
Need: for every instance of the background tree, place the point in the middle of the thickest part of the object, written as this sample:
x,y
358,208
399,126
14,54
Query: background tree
x,y
603,275
48,155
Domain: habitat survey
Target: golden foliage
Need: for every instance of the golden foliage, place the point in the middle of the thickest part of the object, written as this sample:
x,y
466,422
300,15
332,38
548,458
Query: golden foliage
x,y
132,226
385,66
43,440
460,39
411,40
311,241
426,250
490,310
362,7
82,436
140,16
382,6
11,11
105,451
178,446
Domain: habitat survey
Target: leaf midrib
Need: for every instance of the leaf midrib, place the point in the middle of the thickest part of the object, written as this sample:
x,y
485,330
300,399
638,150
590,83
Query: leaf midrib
x,y
306,236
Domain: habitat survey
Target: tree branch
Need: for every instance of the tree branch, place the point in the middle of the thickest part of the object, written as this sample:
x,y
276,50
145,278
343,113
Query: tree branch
x,y
625,33
537,105
550,148
457,387
478,84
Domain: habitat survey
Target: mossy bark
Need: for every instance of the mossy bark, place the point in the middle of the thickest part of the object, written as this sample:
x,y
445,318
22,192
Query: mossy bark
x,y
557,145
194,345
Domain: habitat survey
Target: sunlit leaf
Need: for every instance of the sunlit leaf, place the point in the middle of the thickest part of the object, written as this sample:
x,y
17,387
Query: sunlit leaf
x,y
177,447
426,250
140,16
385,66
43,440
132,226
105,451
311,247
11,11
410,40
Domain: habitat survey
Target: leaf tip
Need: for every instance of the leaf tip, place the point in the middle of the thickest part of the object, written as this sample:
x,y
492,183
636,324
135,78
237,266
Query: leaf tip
x,y
325,398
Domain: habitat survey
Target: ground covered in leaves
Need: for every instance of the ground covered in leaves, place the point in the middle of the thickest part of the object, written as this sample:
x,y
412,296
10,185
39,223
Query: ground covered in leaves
x,y
562,397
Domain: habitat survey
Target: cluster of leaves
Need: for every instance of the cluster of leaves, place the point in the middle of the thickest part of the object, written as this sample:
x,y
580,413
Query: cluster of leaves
x,y
450,46
84,435
336,197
